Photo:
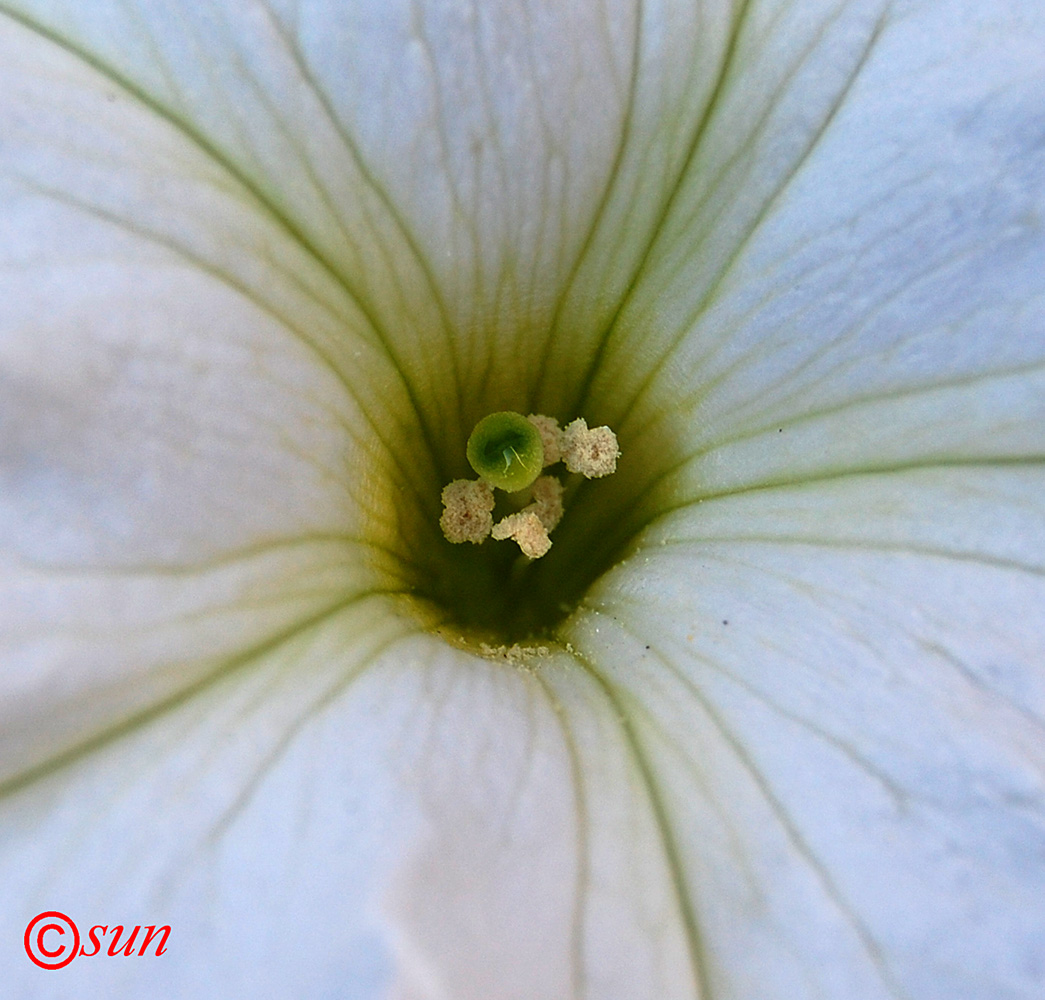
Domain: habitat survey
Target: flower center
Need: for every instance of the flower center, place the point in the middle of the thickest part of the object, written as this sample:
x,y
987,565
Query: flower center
x,y
482,589
491,593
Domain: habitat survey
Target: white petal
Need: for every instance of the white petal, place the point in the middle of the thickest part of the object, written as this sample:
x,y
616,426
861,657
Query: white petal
x,y
179,458
446,163
358,813
856,284
838,691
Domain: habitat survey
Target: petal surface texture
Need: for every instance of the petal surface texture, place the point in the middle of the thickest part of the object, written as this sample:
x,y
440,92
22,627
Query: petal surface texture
x,y
262,263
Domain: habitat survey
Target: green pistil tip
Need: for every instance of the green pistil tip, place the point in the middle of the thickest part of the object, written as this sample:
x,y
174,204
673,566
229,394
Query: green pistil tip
x,y
505,449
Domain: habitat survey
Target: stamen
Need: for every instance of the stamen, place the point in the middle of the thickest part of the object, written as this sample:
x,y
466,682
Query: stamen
x,y
592,453
525,445
468,514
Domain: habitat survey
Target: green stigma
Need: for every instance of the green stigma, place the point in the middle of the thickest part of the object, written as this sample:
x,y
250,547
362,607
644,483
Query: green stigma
x,y
505,449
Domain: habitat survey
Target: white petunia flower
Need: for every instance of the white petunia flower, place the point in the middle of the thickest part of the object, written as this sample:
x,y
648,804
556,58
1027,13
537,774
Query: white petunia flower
x,y
768,720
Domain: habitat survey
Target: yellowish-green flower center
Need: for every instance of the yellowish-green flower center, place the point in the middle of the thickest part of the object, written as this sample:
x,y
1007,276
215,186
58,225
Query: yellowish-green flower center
x,y
495,591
